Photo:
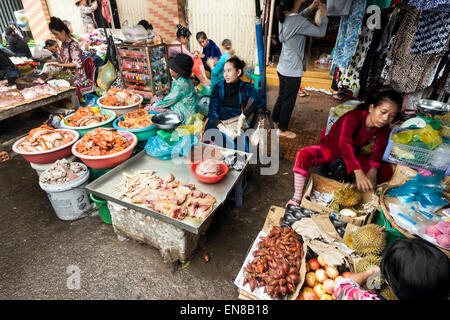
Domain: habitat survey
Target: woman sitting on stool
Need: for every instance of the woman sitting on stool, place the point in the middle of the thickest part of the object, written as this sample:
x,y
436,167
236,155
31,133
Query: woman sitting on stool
x,y
370,122
228,100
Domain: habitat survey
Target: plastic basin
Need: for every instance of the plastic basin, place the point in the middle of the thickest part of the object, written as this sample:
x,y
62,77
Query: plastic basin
x,y
49,156
120,109
108,161
142,134
205,179
83,130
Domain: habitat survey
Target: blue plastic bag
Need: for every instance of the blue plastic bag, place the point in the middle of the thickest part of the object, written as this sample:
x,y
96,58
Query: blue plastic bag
x,y
423,192
156,147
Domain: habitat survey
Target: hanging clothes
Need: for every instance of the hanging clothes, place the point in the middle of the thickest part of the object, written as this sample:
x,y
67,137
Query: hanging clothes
x,y
432,33
105,11
347,38
350,76
438,5
408,72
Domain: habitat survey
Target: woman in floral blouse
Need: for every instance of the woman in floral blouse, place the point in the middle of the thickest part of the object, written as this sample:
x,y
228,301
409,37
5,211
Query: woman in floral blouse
x,y
70,52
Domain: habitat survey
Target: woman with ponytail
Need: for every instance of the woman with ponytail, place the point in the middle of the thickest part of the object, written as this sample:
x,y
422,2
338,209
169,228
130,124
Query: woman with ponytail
x,y
294,28
198,69
369,123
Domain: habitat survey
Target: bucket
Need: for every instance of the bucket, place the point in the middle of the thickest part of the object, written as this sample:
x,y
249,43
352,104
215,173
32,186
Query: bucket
x,y
69,200
103,210
42,167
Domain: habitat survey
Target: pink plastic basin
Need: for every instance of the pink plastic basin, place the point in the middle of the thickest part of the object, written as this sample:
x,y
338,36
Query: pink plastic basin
x,y
48,156
110,160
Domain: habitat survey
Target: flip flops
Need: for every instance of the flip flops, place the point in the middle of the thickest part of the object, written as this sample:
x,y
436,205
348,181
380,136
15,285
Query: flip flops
x,y
303,93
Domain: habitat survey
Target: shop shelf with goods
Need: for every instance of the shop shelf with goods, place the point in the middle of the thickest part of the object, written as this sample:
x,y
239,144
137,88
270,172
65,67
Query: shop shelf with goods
x,y
144,68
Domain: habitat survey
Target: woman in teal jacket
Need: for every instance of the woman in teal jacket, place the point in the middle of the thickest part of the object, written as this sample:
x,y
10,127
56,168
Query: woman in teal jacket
x,y
229,99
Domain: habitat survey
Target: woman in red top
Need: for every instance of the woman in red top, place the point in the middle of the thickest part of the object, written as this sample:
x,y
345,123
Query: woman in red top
x,y
370,122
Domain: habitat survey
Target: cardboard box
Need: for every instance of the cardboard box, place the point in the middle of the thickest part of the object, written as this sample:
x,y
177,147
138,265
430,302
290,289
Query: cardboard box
x,y
325,185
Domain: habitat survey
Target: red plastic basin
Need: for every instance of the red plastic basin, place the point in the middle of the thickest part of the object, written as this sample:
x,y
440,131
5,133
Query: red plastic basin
x,y
48,156
110,160
205,179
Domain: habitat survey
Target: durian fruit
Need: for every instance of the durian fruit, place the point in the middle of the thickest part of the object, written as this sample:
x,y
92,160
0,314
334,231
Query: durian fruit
x,y
374,281
367,262
369,239
386,292
347,197
348,241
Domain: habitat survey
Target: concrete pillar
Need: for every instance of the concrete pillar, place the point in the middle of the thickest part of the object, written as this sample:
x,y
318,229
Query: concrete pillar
x,y
38,19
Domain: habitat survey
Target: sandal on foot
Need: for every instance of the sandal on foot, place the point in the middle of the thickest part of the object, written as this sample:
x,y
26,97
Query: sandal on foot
x,y
287,134
293,201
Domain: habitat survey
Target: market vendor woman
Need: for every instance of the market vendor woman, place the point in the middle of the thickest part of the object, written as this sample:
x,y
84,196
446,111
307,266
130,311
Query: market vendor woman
x,y
370,122
182,97
229,98
70,52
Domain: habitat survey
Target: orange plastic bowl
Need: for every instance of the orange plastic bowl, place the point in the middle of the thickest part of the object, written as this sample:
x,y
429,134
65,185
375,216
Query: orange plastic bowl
x,y
49,156
110,160
205,179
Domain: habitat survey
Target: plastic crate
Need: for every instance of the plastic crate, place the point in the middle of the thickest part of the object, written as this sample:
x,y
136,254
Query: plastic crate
x,y
422,158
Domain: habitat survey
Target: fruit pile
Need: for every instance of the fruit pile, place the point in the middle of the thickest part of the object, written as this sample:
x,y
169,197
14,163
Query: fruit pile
x,y
276,264
320,280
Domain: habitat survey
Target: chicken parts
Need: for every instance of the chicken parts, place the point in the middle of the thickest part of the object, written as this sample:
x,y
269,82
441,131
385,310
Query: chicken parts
x,y
167,196
44,138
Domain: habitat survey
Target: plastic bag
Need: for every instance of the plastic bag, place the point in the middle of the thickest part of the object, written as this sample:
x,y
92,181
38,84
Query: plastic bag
x,y
134,33
422,193
194,125
156,147
425,138
106,76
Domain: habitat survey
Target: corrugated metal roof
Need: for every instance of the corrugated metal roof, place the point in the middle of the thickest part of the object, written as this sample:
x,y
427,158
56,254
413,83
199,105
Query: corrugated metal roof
x,y
7,8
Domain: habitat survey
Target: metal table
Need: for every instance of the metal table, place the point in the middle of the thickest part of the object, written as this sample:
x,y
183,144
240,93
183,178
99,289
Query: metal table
x,y
103,187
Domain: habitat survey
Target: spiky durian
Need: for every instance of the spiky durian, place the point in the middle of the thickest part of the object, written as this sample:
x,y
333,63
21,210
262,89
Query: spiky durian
x,y
369,239
386,292
367,262
347,197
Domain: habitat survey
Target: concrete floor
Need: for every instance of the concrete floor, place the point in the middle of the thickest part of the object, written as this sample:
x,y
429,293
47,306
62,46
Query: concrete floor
x,y
37,248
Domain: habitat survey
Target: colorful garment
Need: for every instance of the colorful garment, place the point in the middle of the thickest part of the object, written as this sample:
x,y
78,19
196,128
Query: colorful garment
x,y
408,72
210,51
349,30
346,289
350,76
432,33
438,5
181,98
70,52
345,138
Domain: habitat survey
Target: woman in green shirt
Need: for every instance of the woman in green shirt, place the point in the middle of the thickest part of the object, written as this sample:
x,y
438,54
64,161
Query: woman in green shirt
x,y
182,97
